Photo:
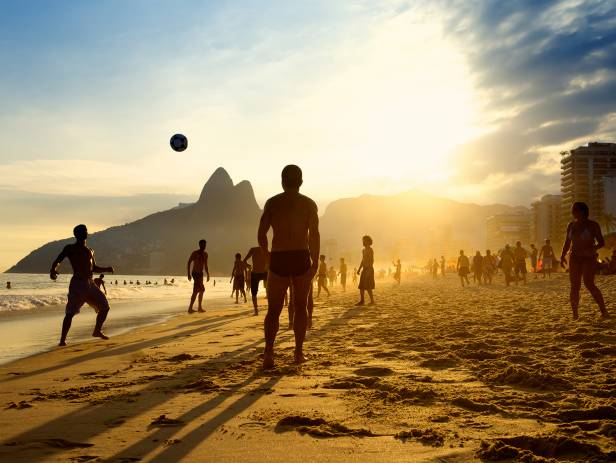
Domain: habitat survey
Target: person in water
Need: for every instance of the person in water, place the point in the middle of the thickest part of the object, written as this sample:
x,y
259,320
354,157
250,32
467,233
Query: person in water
x,y
198,259
293,259
82,289
582,241
238,275
546,256
366,272
463,268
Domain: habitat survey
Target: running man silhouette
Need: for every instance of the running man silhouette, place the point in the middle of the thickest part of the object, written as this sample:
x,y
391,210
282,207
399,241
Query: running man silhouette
x,y
583,240
293,260
82,289
258,273
198,259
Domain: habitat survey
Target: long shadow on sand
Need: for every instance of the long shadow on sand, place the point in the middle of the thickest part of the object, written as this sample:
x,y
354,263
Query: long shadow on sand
x,y
102,413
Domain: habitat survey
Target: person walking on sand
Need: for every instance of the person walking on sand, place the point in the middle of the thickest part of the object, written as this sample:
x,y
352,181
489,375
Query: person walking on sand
x,y
100,281
343,274
397,272
258,273
546,256
238,277
533,259
477,267
488,266
293,260
82,289
463,268
366,271
519,262
443,266
506,263
582,241
331,276
198,259
322,276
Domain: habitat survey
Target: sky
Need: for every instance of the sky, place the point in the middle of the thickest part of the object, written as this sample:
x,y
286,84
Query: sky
x,y
473,100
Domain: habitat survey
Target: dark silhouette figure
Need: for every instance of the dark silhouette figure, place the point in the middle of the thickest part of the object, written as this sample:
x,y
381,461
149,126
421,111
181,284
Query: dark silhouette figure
x,y
293,258
366,271
443,266
546,256
506,263
322,276
82,288
478,268
8,285
398,271
463,268
519,257
198,259
238,277
583,240
343,274
100,282
533,259
258,273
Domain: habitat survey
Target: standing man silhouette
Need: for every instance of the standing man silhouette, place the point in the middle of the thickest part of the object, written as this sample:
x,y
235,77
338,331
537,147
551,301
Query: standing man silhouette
x,y
198,259
293,259
82,288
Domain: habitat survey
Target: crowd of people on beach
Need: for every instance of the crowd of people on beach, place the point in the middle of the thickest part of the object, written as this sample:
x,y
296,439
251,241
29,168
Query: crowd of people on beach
x,y
293,265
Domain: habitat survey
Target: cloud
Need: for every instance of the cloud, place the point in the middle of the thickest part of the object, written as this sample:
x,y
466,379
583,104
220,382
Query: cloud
x,y
546,69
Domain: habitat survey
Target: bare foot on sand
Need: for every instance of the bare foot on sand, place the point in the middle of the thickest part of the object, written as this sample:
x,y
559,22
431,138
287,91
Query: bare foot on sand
x,y
359,304
201,311
300,358
191,311
99,334
62,344
268,361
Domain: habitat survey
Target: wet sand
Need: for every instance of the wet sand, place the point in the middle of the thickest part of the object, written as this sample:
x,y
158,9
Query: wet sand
x,y
434,373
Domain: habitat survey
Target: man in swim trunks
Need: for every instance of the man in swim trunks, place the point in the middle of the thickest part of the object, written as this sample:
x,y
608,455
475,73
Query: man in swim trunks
x,y
82,288
198,259
293,258
583,240
546,256
258,273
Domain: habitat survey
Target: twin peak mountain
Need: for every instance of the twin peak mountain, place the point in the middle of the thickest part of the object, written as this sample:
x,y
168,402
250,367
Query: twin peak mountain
x,y
411,225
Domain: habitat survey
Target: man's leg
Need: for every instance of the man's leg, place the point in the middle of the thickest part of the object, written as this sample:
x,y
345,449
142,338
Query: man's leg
x,y
66,326
98,301
291,306
575,277
371,297
254,289
201,301
300,289
192,301
277,287
98,328
588,272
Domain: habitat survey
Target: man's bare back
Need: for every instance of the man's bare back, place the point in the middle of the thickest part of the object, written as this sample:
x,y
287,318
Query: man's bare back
x,y
259,262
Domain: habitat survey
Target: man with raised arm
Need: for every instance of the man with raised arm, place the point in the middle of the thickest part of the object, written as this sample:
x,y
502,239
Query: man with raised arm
x,y
198,259
82,288
293,259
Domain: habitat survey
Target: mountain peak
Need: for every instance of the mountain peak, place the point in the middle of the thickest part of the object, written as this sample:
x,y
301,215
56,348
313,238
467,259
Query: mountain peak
x,y
219,182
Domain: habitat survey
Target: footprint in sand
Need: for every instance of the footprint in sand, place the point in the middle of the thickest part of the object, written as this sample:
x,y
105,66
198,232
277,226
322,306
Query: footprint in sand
x,y
162,421
83,458
374,371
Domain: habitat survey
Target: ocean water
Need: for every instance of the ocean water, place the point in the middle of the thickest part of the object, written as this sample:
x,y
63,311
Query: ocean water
x,y
31,312
39,292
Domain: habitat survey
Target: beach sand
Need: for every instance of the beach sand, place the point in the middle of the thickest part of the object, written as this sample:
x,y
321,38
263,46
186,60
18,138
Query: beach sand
x,y
434,373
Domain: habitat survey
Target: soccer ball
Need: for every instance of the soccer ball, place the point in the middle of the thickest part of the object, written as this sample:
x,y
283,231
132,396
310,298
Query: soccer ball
x,y
178,142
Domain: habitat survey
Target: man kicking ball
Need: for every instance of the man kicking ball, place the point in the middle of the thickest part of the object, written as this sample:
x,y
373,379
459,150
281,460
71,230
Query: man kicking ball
x,y
82,288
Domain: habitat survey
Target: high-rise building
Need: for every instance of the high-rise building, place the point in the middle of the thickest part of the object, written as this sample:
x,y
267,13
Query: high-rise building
x,y
583,171
502,229
547,220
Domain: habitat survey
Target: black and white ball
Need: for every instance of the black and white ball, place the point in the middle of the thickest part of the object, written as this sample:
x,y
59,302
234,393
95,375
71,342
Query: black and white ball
x,y
178,142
